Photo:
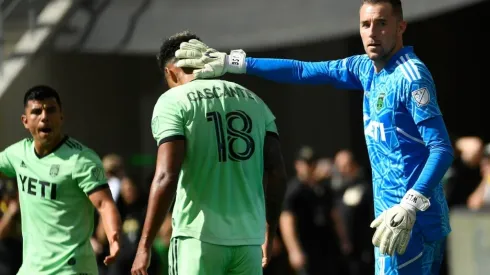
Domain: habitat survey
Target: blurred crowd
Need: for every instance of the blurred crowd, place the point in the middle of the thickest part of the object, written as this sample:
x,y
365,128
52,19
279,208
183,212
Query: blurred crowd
x,y
324,226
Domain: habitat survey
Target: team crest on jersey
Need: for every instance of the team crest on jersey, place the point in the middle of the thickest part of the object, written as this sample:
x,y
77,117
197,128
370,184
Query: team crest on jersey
x,y
55,169
154,125
421,96
380,101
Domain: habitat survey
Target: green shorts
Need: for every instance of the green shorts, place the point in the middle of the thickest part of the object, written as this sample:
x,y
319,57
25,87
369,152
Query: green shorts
x,y
189,256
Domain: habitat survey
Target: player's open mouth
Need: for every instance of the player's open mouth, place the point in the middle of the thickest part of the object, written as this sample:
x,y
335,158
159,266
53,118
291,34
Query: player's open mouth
x,y
45,130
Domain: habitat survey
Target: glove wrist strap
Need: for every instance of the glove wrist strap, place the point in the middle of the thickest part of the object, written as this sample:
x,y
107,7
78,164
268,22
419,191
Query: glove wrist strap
x,y
235,62
415,201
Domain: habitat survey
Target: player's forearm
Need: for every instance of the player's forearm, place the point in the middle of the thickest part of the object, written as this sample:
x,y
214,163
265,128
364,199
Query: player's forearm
x,y
287,70
436,166
335,72
440,157
6,224
161,195
274,197
275,180
110,220
288,233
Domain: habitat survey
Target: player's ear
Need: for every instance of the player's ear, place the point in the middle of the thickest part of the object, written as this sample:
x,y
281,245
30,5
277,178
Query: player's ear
x,y
171,76
23,119
402,26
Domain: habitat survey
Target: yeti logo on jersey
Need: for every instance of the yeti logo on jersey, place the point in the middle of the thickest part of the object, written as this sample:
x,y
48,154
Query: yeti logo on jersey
x,y
421,96
55,169
37,187
379,102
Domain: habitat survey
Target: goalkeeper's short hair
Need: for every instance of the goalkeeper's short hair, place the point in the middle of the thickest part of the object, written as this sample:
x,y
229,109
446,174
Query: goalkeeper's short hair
x,y
170,45
395,4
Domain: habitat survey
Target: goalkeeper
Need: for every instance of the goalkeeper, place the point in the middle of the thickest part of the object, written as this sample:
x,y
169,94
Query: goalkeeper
x,y
408,144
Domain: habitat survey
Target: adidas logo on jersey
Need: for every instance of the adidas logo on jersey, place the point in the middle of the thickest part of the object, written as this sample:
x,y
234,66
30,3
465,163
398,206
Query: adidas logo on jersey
x,y
23,165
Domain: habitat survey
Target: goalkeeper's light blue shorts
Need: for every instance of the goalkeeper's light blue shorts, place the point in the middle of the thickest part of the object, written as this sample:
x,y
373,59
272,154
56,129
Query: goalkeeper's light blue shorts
x,y
420,258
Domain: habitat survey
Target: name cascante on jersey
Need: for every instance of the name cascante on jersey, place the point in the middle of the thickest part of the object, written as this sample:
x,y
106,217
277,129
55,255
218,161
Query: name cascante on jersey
x,y
217,92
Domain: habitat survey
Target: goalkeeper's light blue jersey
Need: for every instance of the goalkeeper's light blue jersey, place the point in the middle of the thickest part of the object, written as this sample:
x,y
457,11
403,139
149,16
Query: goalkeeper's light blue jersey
x,y
396,99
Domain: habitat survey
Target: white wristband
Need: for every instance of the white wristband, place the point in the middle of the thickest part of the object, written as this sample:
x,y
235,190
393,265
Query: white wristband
x,y
235,62
415,200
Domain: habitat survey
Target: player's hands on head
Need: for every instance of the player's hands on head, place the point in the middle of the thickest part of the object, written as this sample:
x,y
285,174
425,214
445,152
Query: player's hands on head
x,y
141,262
191,52
208,62
114,249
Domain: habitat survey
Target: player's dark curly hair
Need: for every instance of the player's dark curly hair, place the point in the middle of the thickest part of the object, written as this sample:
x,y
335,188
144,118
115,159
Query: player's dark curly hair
x,y
41,92
171,45
395,4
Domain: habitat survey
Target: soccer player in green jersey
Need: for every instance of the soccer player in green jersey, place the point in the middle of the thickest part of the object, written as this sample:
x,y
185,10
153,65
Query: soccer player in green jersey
x,y
59,181
218,151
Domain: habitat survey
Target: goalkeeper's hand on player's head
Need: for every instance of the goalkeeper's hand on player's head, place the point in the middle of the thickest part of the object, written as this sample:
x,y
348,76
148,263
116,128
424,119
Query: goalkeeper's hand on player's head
x,y
394,225
208,62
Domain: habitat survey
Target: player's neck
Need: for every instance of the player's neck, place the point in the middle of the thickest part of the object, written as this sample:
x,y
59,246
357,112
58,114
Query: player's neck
x,y
380,64
44,148
186,78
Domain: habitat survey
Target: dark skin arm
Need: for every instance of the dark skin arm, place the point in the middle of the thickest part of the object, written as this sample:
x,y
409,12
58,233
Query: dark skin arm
x,y
7,221
103,202
163,187
275,180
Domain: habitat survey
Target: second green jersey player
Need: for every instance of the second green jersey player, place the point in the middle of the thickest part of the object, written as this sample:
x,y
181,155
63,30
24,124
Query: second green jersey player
x,y
59,181
217,145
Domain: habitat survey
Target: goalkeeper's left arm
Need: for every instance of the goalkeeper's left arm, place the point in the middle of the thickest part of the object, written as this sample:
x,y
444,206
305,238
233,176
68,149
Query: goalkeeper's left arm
x,y
436,138
394,225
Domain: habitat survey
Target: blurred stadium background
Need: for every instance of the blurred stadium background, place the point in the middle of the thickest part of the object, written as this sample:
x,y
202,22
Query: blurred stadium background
x,y
100,56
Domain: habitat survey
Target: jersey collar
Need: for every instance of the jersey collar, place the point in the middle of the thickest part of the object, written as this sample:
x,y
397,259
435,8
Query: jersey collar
x,y
396,56
54,149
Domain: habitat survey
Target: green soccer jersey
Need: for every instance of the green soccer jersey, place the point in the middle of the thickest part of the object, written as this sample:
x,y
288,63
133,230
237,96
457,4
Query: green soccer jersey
x,y
220,196
57,215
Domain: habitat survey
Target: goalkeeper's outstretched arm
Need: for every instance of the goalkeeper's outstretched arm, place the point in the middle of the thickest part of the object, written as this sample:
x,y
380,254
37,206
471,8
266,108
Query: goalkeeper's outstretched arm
x,y
208,63
335,72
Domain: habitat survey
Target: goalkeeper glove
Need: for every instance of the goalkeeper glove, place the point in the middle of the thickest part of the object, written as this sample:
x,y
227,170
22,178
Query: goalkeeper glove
x,y
209,62
394,225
